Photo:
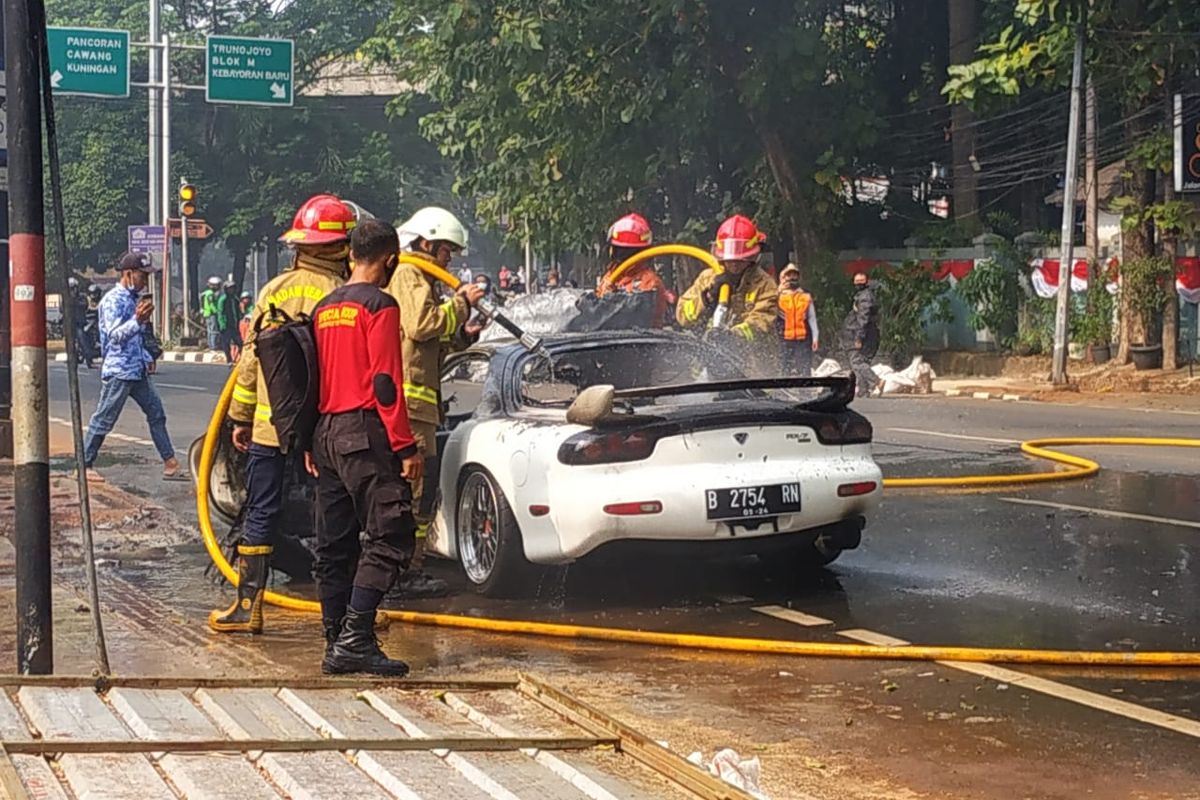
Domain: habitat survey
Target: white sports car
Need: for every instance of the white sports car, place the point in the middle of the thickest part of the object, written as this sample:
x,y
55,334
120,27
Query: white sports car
x,y
640,438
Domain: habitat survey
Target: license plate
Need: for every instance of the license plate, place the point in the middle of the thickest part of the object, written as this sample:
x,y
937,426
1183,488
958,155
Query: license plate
x,y
753,501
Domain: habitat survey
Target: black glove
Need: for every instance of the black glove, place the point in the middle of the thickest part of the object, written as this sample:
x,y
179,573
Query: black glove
x,y
712,294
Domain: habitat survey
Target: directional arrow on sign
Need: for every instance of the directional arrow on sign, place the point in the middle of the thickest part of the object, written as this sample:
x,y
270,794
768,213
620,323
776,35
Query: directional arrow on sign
x,y
56,79
278,92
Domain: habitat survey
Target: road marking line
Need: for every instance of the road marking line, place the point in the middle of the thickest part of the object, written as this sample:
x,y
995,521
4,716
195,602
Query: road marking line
x,y
1102,512
792,615
186,386
956,436
1063,691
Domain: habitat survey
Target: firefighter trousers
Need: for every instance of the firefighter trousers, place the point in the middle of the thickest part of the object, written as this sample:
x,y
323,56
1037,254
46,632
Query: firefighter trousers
x,y
359,489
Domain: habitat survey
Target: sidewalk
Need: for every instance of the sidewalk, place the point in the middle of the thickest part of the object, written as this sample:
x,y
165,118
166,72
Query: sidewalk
x,y
1114,388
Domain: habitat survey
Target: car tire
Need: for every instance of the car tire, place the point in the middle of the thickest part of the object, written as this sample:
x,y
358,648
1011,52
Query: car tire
x,y
489,540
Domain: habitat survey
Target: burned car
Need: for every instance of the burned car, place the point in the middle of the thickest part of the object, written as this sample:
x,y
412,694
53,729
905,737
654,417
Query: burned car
x,y
642,438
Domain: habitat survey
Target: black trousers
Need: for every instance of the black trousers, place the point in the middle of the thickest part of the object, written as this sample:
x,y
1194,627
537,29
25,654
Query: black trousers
x,y
797,356
359,490
860,363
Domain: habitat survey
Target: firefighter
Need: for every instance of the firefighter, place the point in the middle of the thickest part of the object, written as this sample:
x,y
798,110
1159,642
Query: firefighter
x,y
750,317
627,237
429,330
364,455
320,234
797,324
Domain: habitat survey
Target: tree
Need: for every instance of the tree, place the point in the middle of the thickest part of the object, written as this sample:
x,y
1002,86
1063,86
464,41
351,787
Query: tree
x,y
567,114
1138,50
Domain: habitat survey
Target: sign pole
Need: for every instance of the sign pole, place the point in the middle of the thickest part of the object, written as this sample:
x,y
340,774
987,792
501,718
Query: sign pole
x,y
165,187
5,326
154,120
31,435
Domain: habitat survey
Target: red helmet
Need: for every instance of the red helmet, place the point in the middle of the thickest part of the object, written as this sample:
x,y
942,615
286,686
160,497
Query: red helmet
x,y
632,231
738,239
323,219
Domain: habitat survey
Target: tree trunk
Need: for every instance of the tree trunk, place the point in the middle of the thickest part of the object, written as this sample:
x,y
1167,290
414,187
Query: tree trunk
x,y
272,259
1138,243
1170,240
964,32
239,266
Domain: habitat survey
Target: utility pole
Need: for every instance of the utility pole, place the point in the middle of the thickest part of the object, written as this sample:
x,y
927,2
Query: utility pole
x,y
1067,249
5,325
27,245
154,206
1092,186
165,179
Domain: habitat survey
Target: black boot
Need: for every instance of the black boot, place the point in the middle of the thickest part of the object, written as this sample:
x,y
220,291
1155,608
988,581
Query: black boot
x,y
246,614
333,629
357,649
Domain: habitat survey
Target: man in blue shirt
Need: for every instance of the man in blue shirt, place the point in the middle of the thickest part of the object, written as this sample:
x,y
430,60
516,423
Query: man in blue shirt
x,y
125,340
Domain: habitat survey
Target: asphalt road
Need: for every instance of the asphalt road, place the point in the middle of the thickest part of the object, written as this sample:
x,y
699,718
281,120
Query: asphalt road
x,y
1106,563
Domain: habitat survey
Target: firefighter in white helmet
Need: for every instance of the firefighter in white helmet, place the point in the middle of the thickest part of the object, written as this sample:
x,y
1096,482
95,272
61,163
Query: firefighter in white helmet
x,y
429,329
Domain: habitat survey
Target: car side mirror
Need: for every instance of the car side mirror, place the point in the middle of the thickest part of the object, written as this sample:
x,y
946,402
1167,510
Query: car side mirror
x,y
593,405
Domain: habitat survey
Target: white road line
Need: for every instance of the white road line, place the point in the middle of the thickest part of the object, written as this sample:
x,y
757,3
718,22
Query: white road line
x,y
1083,697
185,386
956,436
1102,512
792,615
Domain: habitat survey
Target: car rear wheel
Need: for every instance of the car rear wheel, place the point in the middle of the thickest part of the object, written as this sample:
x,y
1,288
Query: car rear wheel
x,y
489,540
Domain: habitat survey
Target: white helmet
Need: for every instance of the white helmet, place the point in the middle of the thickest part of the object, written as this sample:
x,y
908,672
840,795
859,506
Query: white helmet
x,y
432,224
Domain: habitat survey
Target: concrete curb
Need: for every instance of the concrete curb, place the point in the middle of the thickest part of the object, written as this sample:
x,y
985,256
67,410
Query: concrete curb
x,y
1011,398
175,356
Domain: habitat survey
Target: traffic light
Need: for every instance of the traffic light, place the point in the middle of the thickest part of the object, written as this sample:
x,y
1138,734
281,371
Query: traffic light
x,y
187,200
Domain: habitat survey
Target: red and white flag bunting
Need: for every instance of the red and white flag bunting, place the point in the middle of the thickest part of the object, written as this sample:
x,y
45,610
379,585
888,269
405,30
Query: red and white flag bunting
x,y
1044,273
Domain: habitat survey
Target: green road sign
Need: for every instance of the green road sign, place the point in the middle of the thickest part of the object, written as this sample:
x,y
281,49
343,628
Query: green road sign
x,y
89,61
249,71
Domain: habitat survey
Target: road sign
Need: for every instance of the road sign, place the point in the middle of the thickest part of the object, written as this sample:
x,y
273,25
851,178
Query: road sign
x,y
89,61
249,71
147,238
197,229
1187,143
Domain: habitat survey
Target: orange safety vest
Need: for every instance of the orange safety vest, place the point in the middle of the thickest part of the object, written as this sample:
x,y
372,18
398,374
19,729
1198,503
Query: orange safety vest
x,y
793,306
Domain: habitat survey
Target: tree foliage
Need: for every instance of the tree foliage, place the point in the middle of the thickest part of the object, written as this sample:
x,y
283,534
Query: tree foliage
x,y
567,114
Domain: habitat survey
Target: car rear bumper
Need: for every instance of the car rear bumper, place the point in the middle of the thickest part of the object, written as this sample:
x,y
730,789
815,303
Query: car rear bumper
x,y
582,525
845,534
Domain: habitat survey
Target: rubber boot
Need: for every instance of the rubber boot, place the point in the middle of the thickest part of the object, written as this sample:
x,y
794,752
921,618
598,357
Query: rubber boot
x,y
357,650
246,613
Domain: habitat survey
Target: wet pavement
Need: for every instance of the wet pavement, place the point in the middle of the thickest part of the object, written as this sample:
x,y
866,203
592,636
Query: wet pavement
x,y
1044,566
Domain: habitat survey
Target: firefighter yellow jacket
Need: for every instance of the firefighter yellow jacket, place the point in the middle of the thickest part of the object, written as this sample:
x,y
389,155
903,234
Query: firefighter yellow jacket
x,y
752,304
295,292
429,330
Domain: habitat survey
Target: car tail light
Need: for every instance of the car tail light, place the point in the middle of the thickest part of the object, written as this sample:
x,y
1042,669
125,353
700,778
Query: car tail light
x,y
848,428
634,509
539,511
856,489
596,447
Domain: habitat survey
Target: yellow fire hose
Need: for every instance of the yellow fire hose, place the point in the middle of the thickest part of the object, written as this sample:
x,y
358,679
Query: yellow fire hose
x,y
680,250
1080,468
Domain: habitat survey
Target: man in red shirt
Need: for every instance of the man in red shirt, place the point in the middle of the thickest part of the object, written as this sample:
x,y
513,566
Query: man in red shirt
x,y
364,456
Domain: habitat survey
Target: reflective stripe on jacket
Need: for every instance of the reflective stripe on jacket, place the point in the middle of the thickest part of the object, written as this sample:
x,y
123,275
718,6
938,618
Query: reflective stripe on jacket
x,y
429,331
294,292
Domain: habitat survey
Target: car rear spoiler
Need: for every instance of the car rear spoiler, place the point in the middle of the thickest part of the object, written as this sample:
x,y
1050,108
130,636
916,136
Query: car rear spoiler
x,y
841,389
594,405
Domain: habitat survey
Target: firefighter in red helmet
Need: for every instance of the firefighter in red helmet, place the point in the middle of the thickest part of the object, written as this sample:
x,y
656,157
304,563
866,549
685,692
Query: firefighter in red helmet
x,y
320,235
626,237
751,309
